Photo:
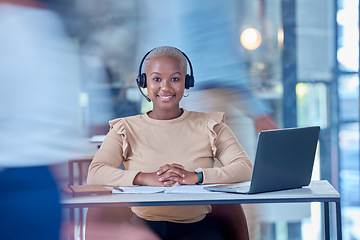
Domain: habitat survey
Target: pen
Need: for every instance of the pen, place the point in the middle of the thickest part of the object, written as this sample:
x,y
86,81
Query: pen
x,y
117,188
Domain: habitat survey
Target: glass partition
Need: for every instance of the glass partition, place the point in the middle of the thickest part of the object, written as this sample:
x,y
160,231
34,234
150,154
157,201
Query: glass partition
x,y
300,57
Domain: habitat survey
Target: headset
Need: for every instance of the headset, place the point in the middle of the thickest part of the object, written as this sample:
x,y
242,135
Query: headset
x,y
141,78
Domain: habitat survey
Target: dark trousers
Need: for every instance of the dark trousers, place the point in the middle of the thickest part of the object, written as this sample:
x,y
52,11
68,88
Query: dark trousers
x,y
205,229
29,204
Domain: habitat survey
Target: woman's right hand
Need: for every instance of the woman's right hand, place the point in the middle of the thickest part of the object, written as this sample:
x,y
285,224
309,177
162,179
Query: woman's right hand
x,y
148,179
166,176
171,174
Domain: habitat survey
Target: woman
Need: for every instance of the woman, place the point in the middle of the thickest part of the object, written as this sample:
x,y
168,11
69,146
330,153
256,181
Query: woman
x,y
170,145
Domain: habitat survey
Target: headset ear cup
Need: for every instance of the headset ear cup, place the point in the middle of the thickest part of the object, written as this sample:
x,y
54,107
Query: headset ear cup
x,y
143,80
138,81
189,81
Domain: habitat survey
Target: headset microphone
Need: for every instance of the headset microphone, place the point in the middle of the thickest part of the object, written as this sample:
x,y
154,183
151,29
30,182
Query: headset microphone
x,y
141,78
146,97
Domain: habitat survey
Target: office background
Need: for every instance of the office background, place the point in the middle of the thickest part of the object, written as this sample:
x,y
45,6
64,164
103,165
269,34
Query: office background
x,y
302,58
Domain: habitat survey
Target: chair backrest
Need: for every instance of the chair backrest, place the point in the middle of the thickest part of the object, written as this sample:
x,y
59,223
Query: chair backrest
x,y
78,169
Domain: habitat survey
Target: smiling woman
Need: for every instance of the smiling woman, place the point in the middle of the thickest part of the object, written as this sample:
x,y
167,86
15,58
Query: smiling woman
x,y
170,145
165,86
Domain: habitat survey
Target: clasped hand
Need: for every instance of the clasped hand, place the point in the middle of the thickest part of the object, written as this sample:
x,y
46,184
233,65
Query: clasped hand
x,y
167,175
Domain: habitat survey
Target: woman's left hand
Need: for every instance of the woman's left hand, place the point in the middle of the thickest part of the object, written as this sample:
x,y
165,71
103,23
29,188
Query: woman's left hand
x,y
174,173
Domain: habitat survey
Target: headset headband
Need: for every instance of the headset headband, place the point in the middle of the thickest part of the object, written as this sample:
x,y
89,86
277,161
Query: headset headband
x,y
188,60
141,79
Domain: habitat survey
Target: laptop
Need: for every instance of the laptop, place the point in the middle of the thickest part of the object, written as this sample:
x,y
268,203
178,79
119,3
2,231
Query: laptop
x,y
284,160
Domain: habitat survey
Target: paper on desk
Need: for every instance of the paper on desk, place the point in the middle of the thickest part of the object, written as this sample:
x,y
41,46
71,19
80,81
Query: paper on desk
x,y
173,189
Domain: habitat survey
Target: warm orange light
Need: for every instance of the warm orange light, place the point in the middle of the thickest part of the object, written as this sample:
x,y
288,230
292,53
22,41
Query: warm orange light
x,y
250,38
280,36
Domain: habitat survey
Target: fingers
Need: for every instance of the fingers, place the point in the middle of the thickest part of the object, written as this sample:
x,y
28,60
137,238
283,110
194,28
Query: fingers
x,y
152,179
170,183
171,173
186,178
190,178
168,167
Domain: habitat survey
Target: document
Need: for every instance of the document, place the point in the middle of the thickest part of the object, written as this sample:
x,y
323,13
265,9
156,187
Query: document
x,y
174,189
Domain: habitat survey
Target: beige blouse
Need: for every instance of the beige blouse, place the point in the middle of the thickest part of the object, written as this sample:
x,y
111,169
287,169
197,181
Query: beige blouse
x,y
193,140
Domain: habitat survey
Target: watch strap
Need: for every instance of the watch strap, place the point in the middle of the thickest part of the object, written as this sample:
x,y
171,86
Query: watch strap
x,y
201,177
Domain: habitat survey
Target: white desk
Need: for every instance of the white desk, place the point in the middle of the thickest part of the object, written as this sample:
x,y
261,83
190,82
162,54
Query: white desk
x,y
317,191
97,139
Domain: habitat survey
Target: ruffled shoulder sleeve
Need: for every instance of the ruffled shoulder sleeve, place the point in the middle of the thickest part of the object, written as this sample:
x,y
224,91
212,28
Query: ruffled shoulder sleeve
x,y
118,126
115,121
213,120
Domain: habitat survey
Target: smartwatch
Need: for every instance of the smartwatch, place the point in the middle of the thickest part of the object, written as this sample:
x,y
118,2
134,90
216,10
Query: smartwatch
x,y
201,177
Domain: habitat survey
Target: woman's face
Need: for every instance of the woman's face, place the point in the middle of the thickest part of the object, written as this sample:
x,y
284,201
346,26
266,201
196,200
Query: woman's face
x,y
165,77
